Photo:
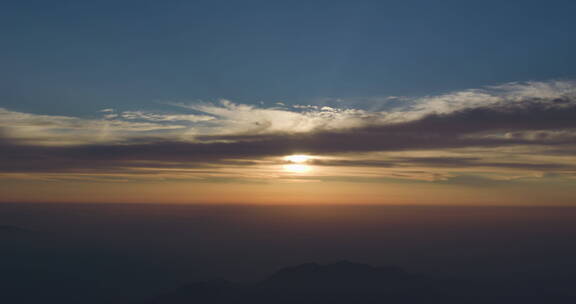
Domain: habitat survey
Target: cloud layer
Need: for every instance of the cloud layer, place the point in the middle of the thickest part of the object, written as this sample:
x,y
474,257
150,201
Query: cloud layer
x,y
532,124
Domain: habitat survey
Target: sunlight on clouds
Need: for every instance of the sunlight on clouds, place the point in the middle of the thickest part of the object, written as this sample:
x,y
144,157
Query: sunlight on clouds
x,y
507,137
297,164
205,122
297,158
297,168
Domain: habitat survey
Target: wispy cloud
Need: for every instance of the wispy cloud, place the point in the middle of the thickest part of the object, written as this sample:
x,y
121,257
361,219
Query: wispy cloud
x,y
34,129
157,117
234,118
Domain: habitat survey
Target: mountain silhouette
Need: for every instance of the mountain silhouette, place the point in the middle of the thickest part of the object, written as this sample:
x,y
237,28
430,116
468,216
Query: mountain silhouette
x,y
294,284
340,276
348,282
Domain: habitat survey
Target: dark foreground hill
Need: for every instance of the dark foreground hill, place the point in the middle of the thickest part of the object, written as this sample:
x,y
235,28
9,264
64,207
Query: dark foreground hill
x,y
347,282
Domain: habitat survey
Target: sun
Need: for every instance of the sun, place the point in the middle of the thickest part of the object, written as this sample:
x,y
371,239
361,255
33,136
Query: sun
x,y
297,164
298,159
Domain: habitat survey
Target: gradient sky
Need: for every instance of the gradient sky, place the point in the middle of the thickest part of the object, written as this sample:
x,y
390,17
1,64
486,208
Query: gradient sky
x,y
393,102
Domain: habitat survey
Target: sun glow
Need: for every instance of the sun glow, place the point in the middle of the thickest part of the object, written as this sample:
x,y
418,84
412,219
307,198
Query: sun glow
x,y
296,164
296,168
297,158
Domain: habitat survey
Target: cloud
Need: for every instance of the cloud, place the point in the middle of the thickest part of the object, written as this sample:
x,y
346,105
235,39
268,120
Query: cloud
x,y
234,118
141,115
510,94
215,134
34,129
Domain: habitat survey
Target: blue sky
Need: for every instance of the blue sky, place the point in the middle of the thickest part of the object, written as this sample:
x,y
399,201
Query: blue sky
x,y
389,102
77,57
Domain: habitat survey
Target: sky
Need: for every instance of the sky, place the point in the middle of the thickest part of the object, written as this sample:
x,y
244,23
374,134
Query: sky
x,y
288,102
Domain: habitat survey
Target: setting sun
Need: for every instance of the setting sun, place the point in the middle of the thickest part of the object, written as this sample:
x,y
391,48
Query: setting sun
x,y
297,158
296,163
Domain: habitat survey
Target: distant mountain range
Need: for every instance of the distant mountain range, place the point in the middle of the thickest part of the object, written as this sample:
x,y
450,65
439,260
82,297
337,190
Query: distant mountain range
x,y
348,282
